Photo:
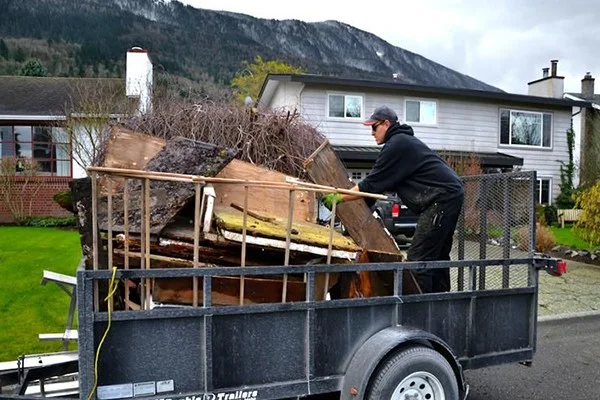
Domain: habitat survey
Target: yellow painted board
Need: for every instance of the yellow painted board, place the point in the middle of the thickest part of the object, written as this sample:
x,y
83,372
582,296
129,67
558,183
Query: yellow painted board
x,y
302,232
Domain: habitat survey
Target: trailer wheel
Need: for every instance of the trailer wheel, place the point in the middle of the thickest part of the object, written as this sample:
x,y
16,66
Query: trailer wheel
x,y
414,373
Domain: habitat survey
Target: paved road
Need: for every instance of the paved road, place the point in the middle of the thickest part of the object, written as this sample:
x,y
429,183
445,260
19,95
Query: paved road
x,y
566,366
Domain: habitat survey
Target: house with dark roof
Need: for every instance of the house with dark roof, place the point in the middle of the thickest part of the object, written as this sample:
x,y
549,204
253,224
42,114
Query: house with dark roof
x,y
42,118
506,131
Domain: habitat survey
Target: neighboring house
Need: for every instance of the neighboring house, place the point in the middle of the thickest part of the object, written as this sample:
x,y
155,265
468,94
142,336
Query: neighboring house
x,y
34,115
504,130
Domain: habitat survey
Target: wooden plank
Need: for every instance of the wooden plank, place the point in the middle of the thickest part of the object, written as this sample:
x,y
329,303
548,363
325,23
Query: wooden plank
x,y
300,232
325,168
292,246
130,150
262,199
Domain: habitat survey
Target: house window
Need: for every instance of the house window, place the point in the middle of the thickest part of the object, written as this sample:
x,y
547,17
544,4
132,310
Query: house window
x,y
525,128
421,112
543,191
345,106
357,175
49,146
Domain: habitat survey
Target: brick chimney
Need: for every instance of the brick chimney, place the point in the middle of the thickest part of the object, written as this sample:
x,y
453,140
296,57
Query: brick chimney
x,y
549,85
587,86
138,78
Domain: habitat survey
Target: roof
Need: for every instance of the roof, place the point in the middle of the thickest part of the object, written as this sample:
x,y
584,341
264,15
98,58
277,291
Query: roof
x,y
50,96
595,98
370,153
416,89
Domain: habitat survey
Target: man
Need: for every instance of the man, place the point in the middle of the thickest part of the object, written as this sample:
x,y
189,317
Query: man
x,y
424,183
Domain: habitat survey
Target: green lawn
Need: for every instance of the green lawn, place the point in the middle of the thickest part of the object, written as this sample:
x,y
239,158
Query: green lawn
x,y
568,237
26,307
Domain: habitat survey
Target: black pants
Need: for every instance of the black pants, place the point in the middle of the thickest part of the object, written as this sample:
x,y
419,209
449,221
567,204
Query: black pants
x,y
433,241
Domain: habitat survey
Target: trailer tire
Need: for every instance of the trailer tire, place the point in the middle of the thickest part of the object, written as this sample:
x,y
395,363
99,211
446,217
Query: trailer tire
x,y
418,371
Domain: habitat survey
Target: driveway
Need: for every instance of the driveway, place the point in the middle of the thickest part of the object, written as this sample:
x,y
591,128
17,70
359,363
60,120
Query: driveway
x,y
566,366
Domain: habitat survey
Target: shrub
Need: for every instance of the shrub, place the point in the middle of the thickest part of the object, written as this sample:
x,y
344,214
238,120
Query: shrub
x,y
19,185
589,201
550,214
544,239
64,200
49,222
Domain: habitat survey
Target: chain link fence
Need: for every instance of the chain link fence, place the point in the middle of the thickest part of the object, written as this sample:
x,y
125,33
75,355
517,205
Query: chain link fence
x,y
497,222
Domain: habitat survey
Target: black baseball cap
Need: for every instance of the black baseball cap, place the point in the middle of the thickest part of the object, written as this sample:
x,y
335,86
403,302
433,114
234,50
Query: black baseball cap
x,y
381,113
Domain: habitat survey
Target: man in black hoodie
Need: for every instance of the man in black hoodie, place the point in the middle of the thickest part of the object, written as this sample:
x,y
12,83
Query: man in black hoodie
x,y
424,183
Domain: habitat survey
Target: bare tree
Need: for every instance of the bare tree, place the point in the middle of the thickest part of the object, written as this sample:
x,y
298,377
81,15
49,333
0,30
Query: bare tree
x,y
19,185
92,104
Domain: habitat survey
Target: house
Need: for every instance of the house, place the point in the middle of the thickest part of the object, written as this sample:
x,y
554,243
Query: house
x,y
506,131
47,119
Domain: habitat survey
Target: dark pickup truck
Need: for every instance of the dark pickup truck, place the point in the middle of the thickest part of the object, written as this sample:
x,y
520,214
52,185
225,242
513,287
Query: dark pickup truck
x,y
396,217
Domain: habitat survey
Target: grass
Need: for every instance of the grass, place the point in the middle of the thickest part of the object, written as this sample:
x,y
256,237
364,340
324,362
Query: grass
x,y
26,307
568,236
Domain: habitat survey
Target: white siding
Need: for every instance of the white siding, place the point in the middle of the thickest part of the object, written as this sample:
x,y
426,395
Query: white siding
x,y
462,125
287,96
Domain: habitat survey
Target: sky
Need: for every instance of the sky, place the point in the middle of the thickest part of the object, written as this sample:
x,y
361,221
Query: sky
x,y
504,43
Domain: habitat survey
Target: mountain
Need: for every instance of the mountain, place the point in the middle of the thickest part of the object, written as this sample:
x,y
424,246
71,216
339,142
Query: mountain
x,y
89,38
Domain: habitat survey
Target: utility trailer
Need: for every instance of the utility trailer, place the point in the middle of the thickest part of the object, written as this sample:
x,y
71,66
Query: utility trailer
x,y
396,346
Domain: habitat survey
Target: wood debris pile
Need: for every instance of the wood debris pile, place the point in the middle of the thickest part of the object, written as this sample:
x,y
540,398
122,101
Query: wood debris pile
x,y
246,215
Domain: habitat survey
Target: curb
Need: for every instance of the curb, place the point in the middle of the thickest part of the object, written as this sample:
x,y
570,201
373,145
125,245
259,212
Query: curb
x,y
558,317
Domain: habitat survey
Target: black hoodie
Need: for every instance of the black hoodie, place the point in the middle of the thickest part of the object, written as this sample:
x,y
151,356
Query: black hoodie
x,y
411,169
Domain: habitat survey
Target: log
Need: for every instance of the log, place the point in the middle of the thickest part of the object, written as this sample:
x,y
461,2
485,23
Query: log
x,y
182,156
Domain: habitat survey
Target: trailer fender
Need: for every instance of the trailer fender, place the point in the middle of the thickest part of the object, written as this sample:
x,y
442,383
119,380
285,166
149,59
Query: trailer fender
x,y
370,355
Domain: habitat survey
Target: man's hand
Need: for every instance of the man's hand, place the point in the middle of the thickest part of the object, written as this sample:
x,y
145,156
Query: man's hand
x,y
331,198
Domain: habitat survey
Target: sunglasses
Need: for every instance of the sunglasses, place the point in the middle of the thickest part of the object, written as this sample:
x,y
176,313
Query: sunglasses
x,y
376,124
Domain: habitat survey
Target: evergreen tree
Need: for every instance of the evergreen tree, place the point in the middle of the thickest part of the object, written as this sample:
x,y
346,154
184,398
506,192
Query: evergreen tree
x,y
19,55
3,49
567,171
34,67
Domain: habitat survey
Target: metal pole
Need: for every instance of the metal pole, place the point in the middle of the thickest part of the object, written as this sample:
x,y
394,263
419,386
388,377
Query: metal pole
x,y
506,234
483,231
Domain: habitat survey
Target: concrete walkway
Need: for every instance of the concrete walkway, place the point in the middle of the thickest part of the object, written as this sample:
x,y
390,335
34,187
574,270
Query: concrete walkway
x,y
576,292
